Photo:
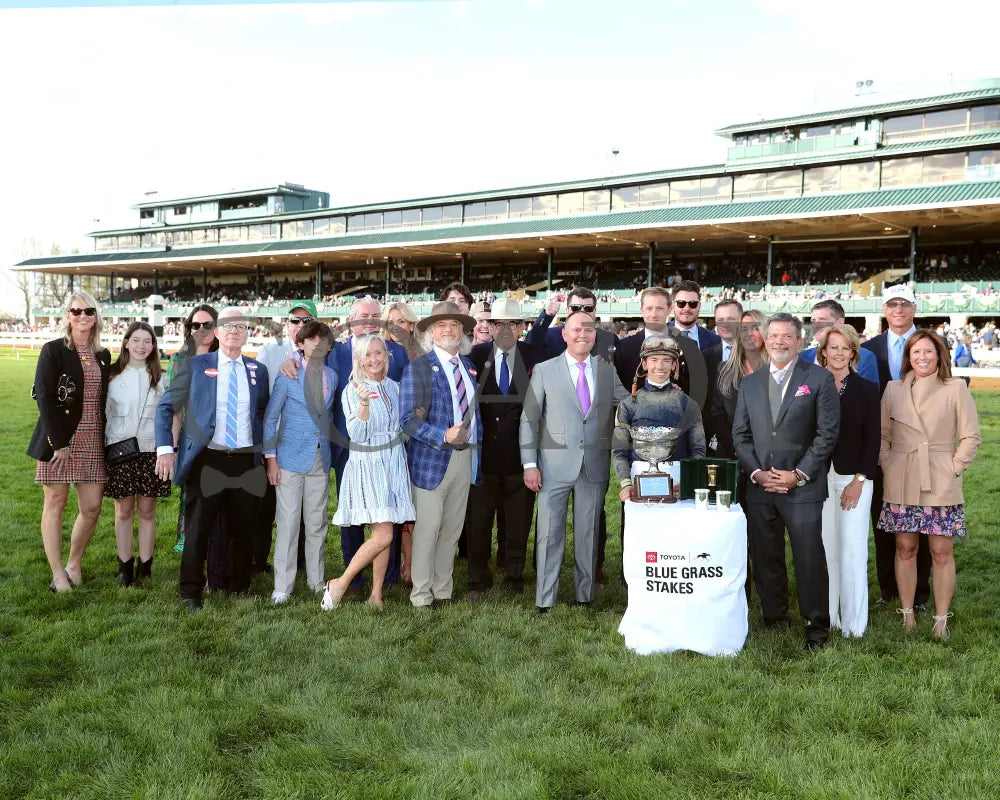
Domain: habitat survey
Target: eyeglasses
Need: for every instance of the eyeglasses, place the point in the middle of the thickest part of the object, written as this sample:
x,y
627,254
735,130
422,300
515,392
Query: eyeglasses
x,y
234,327
588,308
78,311
504,324
899,304
197,326
299,320
687,303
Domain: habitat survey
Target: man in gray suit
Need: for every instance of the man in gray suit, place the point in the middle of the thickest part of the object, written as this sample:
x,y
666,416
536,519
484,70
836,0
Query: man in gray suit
x,y
565,437
785,428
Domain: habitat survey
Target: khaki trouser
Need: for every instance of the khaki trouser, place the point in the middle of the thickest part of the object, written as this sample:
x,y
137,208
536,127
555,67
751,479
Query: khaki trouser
x,y
440,517
301,495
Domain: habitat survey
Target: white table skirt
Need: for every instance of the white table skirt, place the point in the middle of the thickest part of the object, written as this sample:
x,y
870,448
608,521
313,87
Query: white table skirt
x,y
686,571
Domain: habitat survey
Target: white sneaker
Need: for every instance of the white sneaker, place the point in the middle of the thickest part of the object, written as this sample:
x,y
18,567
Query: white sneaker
x,y
279,598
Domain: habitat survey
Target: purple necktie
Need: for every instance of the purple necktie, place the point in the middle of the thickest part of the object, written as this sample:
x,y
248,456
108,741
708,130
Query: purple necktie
x,y
460,393
582,388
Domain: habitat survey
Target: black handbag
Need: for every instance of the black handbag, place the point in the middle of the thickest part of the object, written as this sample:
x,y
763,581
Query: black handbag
x,y
127,449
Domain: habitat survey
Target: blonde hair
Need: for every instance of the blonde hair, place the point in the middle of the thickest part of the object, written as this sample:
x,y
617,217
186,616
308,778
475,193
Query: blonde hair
x,y
360,350
731,372
404,309
850,336
94,340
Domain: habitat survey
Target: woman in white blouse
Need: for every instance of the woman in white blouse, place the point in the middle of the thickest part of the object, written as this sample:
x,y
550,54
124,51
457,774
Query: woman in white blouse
x,y
134,391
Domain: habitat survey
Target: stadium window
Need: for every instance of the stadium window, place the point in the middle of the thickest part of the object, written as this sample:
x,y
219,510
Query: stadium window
x,y
392,219
685,191
625,197
321,227
570,203
474,212
822,179
784,184
859,177
716,190
233,233
943,168
896,129
145,213
431,215
452,213
901,172
983,165
520,207
984,118
206,235
597,200
749,186
496,209
180,238
128,241
180,211
411,216
816,132
543,205
654,194
946,123
107,243
338,226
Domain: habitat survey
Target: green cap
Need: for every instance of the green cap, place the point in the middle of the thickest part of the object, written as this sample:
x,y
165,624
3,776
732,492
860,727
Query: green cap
x,y
308,305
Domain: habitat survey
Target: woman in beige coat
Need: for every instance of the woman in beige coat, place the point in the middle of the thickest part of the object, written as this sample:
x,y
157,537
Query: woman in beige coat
x,y
930,435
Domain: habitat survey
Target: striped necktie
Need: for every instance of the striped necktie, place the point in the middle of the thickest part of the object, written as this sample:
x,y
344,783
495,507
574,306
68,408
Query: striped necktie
x,y
232,403
460,394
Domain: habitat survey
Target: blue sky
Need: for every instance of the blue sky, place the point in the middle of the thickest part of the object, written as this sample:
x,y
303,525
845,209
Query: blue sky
x,y
398,100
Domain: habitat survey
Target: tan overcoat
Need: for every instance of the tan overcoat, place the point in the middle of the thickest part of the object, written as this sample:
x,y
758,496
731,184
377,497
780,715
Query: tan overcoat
x,y
930,432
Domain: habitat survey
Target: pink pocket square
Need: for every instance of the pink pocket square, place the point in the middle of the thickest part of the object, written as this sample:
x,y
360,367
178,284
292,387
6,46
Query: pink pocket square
x,y
802,390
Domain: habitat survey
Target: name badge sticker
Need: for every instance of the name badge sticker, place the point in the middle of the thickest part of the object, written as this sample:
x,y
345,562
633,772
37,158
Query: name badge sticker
x,y
212,373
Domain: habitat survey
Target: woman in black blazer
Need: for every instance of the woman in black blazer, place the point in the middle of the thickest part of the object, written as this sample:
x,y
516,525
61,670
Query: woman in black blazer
x,y
71,386
846,510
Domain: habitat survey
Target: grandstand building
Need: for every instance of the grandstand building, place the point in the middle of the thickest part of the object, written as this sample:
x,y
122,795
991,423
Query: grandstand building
x,y
856,197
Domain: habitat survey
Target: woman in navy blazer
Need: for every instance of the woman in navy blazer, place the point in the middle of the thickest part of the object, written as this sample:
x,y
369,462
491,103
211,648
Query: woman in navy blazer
x,y
299,466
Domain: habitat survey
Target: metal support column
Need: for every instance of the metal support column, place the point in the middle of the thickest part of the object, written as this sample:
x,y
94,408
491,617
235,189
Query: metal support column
x,y
464,267
770,262
650,262
260,280
913,254
318,282
156,281
111,287
550,259
70,285
204,284
388,277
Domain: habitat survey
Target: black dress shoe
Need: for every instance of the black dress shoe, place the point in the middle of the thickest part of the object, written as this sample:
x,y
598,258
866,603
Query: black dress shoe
x,y
920,608
541,611
813,646
884,601
777,624
475,596
194,603
582,604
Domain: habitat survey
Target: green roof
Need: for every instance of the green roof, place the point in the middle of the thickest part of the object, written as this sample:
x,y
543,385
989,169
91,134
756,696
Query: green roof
x,y
989,89
944,195
296,191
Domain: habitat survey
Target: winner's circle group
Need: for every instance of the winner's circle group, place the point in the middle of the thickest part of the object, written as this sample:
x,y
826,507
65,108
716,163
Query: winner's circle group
x,y
437,429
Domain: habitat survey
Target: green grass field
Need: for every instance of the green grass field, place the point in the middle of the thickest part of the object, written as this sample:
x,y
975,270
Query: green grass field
x,y
110,693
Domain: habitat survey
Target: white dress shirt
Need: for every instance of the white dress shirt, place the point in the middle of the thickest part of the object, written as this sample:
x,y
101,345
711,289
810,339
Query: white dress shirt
x,y
244,426
574,372
470,389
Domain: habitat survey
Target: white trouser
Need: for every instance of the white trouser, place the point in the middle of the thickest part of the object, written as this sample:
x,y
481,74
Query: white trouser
x,y
301,496
845,539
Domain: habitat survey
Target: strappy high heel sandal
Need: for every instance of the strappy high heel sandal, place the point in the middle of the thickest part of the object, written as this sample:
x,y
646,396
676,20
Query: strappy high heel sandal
x,y
940,630
909,618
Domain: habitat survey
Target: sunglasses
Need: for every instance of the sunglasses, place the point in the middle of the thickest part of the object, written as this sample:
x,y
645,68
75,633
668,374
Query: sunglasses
x,y
687,303
299,320
890,304
589,308
197,326
78,311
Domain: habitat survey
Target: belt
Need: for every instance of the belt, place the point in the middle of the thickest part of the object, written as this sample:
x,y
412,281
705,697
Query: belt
x,y
923,451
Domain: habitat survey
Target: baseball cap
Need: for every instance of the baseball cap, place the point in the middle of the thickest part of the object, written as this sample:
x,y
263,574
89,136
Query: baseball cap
x,y
307,305
899,292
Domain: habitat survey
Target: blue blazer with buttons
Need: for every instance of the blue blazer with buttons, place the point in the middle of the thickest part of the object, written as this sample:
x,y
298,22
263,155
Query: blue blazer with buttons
x,y
193,391
425,413
303,427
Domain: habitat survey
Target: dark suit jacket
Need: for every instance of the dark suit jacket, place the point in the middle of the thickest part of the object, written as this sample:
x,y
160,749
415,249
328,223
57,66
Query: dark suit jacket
x,y
706,338
879,345
692,378
713,359
803,437
549,338
58,391
194,390
502,413
860,428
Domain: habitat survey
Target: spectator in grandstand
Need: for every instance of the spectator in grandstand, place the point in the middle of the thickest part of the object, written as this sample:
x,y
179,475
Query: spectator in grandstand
x,y
363,318
924,414
134,391
459,294
787,475
70,388
825,314
218,457
686,297
398,321
848,504
899,308
300,314
580,299
554,415
504,366
656,408
963,353
376,487
480,312
440,415
298,457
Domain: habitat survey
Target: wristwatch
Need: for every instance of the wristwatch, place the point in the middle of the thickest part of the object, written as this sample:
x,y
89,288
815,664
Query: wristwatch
x,y
860,478
800,478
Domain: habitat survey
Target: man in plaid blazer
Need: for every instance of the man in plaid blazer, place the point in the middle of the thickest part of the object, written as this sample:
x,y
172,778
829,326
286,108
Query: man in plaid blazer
x,y
440,416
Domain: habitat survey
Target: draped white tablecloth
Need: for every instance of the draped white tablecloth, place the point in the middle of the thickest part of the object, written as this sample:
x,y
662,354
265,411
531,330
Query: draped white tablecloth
x,y
686,571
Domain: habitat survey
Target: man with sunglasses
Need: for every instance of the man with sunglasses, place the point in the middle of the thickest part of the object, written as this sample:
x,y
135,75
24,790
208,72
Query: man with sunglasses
x,y
686,303
580,299
271,356
899,307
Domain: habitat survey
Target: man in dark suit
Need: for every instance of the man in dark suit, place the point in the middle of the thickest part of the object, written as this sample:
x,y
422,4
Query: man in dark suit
x,y
219,454
786,426
899,307
504,367
551,338
727,314
686,297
